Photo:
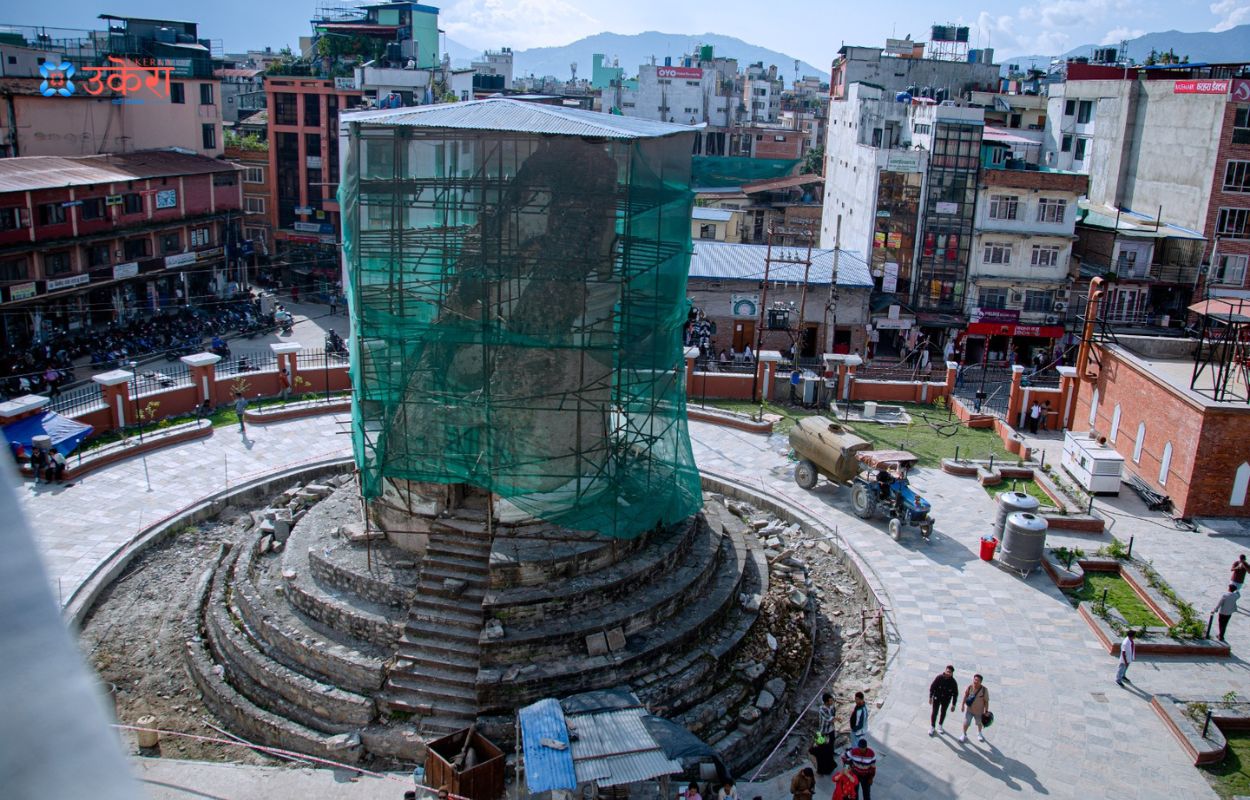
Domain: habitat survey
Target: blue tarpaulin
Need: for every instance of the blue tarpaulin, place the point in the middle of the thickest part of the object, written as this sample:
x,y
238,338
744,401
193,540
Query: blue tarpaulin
x,y
66,433
546,768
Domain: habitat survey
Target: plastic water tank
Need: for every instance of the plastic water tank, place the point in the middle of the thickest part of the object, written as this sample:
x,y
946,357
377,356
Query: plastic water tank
x,y
1009,503
870,409
1024,540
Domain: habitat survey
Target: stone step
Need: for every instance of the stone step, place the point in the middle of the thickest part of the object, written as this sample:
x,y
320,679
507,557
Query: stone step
x,y
434,573
459,617
382,587
443,674
443,562
378,625
460,528
431,724
470,601
418,656
283,634
504,686
464,548
449,696
417,629
527,604
564,635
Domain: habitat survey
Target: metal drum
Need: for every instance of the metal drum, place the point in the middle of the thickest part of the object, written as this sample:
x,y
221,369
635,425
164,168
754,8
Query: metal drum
x,y
1009,503
1024,539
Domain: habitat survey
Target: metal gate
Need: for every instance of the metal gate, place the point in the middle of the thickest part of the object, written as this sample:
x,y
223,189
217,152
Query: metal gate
x,y
985,390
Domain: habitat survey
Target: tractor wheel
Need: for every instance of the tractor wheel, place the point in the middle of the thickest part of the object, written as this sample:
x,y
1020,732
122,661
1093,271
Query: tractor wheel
x,y
805,474
861,501
896,528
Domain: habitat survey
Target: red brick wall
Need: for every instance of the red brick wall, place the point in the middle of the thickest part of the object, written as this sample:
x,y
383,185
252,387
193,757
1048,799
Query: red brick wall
x,y
1197,486
1220,198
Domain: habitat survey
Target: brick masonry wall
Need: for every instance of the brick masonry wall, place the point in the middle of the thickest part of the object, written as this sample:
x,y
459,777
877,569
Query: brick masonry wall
x,y
1220,198
1207,444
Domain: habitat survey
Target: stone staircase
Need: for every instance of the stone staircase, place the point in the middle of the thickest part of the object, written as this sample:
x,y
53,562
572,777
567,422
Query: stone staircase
x,y
435,672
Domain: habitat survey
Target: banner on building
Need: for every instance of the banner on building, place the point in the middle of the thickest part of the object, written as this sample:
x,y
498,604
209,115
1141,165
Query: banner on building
x,y
998,315
902,162
946,208
894,240
889,281
878,239
684,73
745,305
1241,91
179,260
127,270
65,283
22,291
1200,87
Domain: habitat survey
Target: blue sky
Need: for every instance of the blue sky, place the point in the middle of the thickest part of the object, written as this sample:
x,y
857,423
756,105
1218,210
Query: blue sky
x,y
809,29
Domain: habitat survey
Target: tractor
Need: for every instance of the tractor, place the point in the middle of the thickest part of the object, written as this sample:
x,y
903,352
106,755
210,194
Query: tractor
x,y
882,487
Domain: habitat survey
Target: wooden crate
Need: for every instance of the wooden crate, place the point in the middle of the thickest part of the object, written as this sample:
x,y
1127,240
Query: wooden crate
x,y
483,781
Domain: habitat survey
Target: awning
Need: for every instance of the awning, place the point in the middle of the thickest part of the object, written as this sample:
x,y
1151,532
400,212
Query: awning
x,y
1224,309
66,433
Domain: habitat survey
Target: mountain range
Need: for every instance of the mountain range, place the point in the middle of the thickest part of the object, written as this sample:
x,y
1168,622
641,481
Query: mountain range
x,y
1230,45
636,49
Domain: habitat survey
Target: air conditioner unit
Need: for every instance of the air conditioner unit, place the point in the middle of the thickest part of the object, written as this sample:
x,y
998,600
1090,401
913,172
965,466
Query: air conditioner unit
x,y
1051,319
1017,297
1060,307
1061,294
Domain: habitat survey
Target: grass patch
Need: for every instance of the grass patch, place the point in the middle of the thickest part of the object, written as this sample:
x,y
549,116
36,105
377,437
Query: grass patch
x,y
926,437
1029,487
1120,596
789,415
1231,776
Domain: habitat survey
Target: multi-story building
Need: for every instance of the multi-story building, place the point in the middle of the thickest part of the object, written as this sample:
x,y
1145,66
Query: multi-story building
x,y
140,84
1019,277
252,158
242,91
689,95
761,93
1168,143
904,67
89,240
496,65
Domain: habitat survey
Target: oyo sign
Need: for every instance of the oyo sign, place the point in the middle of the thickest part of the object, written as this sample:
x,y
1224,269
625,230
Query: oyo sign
x,y
685,73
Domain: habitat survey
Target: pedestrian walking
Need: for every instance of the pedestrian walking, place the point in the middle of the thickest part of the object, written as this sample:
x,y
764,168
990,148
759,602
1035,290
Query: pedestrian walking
x,y
1128,654
294,293
859,718
863,762
1035,416
284,384
1239,572
822,749
334,304
976,704
803,784
1226,607
943,692
240,406
845,784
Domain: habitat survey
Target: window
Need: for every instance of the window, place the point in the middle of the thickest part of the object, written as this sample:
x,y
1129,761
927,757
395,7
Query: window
x,y
1115,424
1241,126
1066,146
254,205
56,264
1038,301
707,231
99,255
312,110
997,253
132,203
1050,209
209,132
285,108
206,94
177,92
1045,255
171,243
199,237
1237,176
1084,111
922,128
1137,445
1241,482
1079,155
1004,206
12,218
1231,222
1230,270
992,298
1069,108
51,214
92,208
135,248
14,270
1165,464
1093,411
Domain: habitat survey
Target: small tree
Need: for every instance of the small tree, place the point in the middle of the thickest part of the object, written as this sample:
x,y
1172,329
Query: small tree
x,y
814,162
146,415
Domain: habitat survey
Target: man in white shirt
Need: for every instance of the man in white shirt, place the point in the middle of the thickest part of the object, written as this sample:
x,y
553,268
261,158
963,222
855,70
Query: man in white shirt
x,y
1128,653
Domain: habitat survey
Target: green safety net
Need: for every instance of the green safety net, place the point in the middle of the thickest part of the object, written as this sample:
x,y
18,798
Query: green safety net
x,y
517,304
711,172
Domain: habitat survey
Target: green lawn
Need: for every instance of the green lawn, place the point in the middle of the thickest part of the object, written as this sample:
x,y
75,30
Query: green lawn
x,y
789,415
1232,775
1029,487
1119,596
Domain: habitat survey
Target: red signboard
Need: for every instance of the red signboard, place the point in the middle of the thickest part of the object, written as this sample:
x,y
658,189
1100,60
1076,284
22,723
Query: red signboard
x,y
684,73
1241,91
1200,87
1009,329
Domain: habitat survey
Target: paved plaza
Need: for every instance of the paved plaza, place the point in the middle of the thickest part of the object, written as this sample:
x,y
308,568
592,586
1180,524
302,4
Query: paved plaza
x,y
1063,729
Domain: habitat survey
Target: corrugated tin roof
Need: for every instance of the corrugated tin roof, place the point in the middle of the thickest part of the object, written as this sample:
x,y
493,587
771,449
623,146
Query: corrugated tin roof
x,y
546,768
780,183
728,261
1130,223
711,214
51,172
505,114
614,748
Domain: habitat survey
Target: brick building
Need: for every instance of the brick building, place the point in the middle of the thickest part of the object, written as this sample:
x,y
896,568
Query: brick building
x,y
89,240
253,162
1177,439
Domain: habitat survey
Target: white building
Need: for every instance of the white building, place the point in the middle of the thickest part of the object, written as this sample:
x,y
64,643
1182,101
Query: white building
x,y
685,95
496,63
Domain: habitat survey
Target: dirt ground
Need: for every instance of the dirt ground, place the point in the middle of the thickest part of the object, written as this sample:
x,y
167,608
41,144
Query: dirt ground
x,y
135,636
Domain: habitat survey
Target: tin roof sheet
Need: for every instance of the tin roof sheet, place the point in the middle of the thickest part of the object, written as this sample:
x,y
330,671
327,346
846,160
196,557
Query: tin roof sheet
x,y
506,114
711,214
546,768
729,261
614,747
28,173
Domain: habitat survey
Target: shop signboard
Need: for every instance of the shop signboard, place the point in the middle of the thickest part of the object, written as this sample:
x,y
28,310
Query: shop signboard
x,y
127,270
1007,316
745,305
1200,87
303,210
209,254
946,208
307,227
892,324
1010,329
1241,91
683,73
889,281
65,283
327,238
113,200
179,260
902,162
22,291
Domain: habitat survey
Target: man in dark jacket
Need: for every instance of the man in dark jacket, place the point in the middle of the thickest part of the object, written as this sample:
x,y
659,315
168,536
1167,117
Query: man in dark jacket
x,y
942,693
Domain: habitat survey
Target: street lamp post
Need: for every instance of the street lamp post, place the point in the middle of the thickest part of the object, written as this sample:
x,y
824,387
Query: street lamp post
x,y
134,395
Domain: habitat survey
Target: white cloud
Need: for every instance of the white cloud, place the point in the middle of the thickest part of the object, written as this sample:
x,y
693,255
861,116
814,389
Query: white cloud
x,y
1231,13
1116,35
1051,26
515,23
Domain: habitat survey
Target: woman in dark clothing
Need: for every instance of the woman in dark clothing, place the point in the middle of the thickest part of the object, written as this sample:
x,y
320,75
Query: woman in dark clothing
x,y
942,693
